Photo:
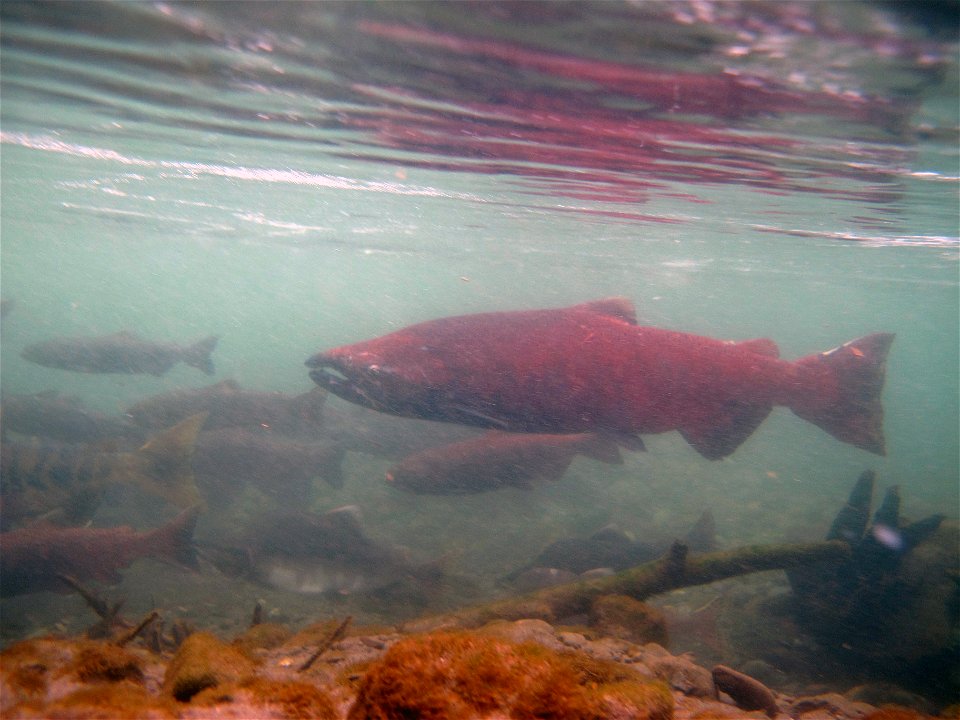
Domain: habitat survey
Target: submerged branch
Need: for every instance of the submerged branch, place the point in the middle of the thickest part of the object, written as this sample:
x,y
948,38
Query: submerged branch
x,y
675,570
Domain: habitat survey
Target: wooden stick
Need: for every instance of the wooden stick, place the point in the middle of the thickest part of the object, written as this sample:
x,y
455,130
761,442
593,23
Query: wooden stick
x,y
673,571
324,646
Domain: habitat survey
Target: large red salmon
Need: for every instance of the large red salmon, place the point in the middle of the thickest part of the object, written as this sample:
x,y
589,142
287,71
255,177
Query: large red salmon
x,y
591,368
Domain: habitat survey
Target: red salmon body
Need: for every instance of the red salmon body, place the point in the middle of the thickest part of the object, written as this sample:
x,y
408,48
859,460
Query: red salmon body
x,y
591,368
36,558
496,460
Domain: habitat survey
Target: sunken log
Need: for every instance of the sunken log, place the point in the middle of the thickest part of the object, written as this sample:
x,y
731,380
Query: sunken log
x,y
674,570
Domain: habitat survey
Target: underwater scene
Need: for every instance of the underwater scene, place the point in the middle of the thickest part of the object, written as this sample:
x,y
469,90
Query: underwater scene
x,y
480,359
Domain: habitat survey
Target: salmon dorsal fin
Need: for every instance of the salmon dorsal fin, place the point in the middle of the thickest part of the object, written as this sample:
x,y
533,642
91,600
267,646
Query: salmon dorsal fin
x,y
619,307
759,346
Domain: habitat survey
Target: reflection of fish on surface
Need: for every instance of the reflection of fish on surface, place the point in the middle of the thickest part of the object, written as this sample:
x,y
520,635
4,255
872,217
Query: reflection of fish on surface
x,y
313,554
496,460
229,405
281,467
69,481
122,352
52,415
35,557
591,368
610,549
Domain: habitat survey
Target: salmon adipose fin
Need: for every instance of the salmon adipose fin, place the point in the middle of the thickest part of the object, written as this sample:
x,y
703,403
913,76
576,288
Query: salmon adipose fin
x,y
839,391
174,541
163,466
198,354
616,307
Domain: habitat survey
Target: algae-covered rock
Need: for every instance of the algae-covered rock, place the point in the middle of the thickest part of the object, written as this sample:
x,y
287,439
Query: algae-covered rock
x,y
264,636
623,617
256,696
107,701
634,701
27,668
465,675
102,661
205,661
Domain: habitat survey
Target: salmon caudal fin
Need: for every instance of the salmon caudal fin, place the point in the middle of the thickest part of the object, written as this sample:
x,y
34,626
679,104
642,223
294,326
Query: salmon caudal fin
x,y
839,391
198,354
174,541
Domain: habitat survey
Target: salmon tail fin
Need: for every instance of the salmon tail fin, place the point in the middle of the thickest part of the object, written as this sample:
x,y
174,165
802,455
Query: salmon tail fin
x,y
174,541
839,391
163,466
198,354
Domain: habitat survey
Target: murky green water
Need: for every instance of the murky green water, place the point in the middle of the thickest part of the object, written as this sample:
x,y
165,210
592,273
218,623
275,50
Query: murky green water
x,y
293,177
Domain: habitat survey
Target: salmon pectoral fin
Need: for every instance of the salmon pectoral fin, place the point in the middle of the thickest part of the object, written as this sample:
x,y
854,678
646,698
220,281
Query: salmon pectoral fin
x,y
719,434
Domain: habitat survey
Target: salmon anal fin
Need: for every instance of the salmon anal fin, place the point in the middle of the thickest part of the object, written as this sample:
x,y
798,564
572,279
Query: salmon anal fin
x,y
725,431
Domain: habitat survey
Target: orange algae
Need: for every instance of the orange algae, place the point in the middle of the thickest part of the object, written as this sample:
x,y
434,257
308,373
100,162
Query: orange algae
x,y
896,713
93,661
294,699
635,700
265,636
623,617
313,634
102,701
26,668
458,674
203,661
25,675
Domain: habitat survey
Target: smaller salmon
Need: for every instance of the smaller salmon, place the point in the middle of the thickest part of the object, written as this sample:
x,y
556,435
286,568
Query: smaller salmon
x,y
122,352
496,460
35,557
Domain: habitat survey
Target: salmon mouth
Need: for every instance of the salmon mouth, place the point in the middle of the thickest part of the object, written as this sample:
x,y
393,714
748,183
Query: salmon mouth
x,y
342,380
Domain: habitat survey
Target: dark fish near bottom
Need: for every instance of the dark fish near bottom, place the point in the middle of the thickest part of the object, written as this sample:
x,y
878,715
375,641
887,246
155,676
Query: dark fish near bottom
x,y
610,548
313,554
122,352
34,558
